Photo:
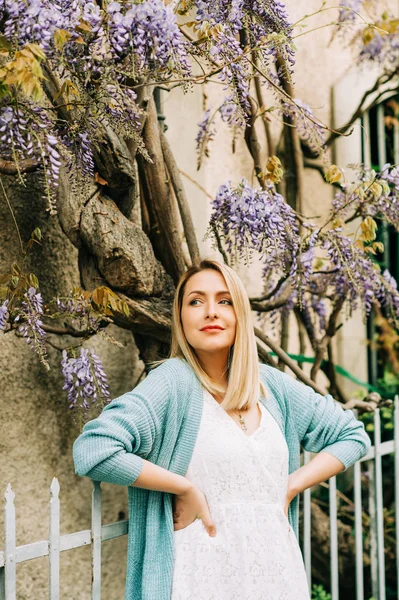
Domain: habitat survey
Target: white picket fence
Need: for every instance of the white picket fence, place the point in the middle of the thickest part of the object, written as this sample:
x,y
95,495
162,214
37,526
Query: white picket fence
x,y
13,554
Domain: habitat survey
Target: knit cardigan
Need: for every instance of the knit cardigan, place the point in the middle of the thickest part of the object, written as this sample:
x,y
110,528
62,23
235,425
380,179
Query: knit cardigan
x,y
159,421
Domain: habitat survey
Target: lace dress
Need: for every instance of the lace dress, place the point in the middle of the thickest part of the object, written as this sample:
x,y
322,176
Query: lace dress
x,y
255,554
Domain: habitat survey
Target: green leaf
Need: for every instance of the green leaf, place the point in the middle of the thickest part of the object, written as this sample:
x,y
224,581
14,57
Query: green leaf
x,y
5,44
33,280
37,233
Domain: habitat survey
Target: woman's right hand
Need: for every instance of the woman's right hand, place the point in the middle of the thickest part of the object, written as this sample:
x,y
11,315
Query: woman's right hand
x,y
189,506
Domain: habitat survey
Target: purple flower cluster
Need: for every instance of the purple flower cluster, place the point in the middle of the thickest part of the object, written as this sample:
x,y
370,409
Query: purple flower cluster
x,y
349,9
391,296
149,31
85,379
382,48
356,276
270,23
302,266
310,129
75,307
38,20
256,221
27,133
30,319
230,112
206,133
266,21
3,315
377,195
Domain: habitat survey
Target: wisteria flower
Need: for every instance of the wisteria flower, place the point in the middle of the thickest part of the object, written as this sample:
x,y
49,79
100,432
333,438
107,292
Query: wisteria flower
x,y
85,379
3,315
30,319
252,221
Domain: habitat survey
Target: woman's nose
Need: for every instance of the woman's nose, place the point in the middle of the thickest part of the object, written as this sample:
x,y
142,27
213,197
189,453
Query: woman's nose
x,y
212,310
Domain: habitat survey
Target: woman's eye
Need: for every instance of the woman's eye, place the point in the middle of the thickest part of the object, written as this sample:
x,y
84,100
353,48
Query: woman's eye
x,y
193,302
227,301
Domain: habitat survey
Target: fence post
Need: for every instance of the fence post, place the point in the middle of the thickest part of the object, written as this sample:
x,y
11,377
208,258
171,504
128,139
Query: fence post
x,y
54,542
96,541
10,546
334,539
379,498
357,474
373,530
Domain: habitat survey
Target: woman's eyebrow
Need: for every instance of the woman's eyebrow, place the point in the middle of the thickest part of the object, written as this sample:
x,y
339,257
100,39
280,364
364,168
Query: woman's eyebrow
x,y
201,293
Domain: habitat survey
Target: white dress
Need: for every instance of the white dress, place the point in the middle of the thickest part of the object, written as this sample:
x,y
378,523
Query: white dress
x,y
255,554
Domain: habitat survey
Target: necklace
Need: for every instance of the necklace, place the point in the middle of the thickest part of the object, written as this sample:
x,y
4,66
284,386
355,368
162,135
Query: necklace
x,y
242,422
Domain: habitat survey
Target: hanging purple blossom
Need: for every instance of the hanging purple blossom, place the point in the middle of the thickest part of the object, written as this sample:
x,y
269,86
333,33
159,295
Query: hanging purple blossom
x,y
3,315
349,9
30,319
27,132
256,221
205,135
149,31
85,379
377,195
310,129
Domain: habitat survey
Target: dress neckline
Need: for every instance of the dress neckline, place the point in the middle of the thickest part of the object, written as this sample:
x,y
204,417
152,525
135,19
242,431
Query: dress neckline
x,y
236,426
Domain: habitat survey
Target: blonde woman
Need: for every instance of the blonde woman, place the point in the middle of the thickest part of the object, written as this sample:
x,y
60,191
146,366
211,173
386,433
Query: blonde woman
x,y
209,446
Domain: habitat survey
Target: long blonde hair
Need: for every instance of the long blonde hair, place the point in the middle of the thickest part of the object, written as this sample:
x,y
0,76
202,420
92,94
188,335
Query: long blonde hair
x,y
244,385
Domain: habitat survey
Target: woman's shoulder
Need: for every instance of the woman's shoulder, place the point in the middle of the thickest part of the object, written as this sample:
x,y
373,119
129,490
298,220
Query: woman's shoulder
x,y
270,375
173,369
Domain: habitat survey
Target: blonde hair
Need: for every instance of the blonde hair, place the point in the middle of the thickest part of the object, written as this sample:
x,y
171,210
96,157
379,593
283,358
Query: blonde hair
x,y
244,384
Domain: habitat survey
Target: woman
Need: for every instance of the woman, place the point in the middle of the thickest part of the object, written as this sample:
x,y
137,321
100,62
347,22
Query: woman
x,y
209,446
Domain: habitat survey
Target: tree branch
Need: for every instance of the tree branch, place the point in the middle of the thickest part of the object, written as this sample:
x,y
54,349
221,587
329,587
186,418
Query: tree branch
x,y
288,361
273,304
8,167
272,293
160,203
293,158
68,331
331,328
181,198
384,78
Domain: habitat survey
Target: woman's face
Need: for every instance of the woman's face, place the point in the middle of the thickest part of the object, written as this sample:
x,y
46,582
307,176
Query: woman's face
x,y
207,314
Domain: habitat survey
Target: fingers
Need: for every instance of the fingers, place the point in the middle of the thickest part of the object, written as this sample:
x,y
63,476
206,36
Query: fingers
x,y
209,525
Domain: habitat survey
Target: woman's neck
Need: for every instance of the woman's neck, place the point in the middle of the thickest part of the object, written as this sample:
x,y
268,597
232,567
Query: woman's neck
x,y
215,366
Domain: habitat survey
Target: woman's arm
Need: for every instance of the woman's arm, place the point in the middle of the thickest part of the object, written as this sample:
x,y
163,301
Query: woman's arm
x,y
189,502
323,425
113,446
320,468
158,479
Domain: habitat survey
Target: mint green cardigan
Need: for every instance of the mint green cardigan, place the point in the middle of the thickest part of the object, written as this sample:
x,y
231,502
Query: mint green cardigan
x,y
159,421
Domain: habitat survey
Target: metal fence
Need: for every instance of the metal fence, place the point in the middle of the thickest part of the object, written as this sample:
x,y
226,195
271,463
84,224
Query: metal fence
x,y
13,554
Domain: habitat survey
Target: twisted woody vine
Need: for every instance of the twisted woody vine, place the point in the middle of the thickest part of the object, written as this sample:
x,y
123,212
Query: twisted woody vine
x,y
78,114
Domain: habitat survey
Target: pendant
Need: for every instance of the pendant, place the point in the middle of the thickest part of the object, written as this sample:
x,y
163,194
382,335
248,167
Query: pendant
x,y
242,422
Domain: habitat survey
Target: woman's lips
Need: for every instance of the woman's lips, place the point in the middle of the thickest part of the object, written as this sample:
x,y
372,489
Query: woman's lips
x,y
212,328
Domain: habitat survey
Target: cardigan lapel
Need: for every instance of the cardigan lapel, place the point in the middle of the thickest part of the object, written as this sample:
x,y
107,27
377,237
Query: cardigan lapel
x,y
274,409
272,404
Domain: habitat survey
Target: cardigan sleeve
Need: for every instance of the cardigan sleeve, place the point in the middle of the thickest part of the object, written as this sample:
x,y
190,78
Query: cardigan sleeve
x,y
111,447
323,425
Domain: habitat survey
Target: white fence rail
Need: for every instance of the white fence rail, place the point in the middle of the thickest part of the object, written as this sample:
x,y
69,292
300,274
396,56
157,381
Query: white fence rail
x,y
56,544
13,554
